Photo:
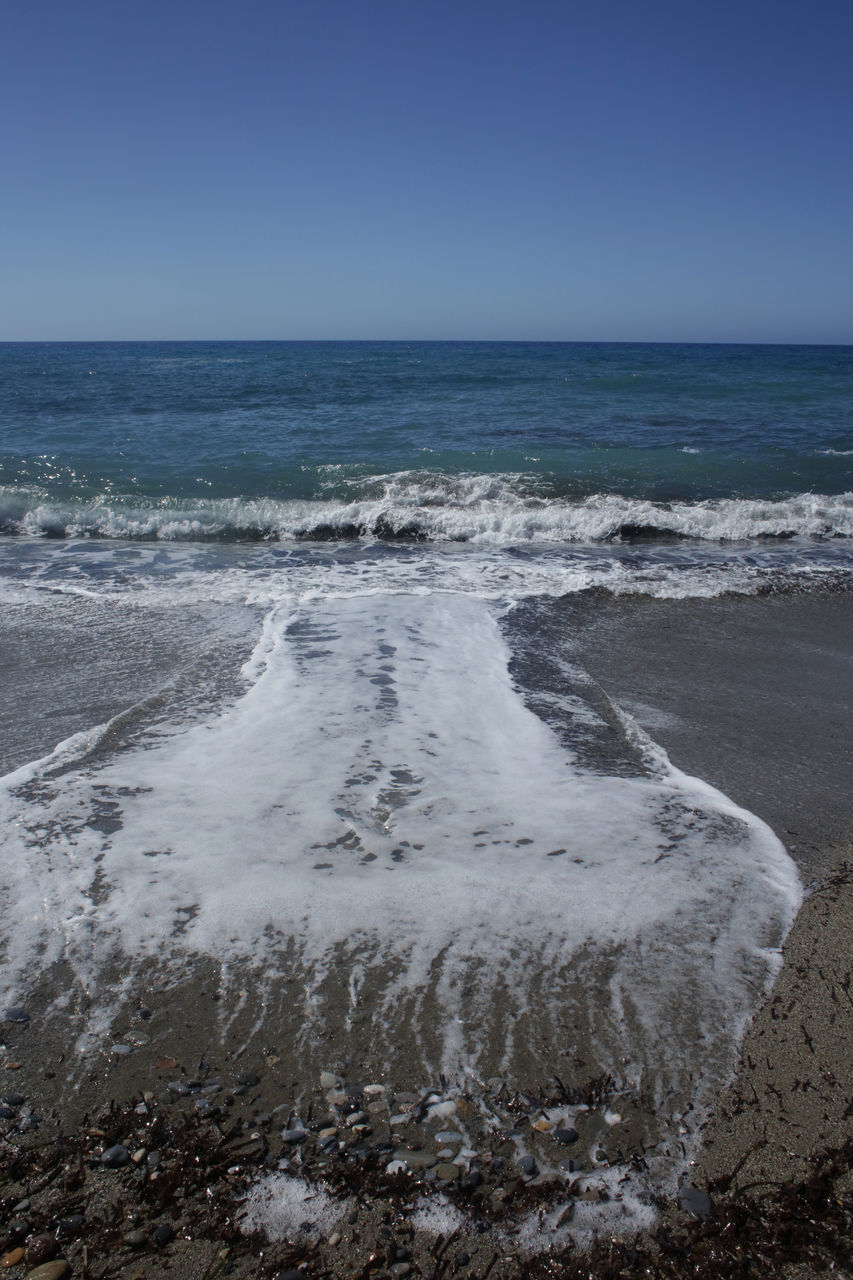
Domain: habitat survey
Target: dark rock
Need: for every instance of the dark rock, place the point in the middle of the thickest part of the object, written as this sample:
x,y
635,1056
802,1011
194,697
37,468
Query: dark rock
x,y
115,1157
41,1248
565,1137
178,1087
14,1099
473,1179
68,1228
249,1080
293,1136
163,1235
695,1202
528,1166
136,1239
15,1015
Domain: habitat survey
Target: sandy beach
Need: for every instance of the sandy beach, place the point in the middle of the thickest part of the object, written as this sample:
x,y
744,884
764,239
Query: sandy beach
x,y
751,693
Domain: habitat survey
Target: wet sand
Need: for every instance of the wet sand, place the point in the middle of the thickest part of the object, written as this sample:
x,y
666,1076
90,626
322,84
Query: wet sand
x,y
753,695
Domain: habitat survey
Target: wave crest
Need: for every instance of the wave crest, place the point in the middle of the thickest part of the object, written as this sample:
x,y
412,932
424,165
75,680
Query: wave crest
x,y
500,510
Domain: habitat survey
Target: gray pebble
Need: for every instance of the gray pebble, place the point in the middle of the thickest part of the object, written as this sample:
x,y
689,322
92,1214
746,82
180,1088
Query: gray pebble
x,y
115,1157
293,1136
416,1159
163,1235
528,1166
447,1172
15,1015
695,1202
178,1088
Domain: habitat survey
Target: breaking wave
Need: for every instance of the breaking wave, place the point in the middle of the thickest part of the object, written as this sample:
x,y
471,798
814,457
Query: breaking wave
x,y
429,507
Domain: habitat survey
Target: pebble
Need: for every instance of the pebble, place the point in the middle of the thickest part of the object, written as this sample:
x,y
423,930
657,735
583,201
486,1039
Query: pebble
x,y
447,1172
122,1050
163,1235
69,1227
293,1136
178,1088
528,1166
135,1239
565,1137
115,1157
543,1126
15,1099
12,1258
416,1159
448,1135
41,1248
6,1112
696,1203
50,1270
329,1081
15,1014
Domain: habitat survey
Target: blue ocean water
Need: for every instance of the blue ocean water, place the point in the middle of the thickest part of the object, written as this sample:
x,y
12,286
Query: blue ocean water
x,y
501,442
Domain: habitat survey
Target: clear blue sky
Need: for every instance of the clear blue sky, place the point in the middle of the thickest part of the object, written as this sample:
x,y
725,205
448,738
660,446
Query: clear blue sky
x,y
268,169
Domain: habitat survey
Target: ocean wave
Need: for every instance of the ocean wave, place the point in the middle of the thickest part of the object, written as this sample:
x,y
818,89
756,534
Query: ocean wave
x,y
494,509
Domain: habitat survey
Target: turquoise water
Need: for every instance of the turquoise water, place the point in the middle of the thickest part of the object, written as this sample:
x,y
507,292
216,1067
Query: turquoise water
x,y
458,441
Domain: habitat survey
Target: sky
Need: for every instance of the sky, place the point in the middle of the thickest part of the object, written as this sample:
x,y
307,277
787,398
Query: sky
x,y
655,171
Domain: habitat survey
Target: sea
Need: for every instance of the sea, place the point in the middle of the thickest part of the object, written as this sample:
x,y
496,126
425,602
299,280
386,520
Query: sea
x,y
289,694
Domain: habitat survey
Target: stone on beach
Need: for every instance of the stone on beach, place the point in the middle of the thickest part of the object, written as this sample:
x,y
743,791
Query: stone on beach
x,y
116,1157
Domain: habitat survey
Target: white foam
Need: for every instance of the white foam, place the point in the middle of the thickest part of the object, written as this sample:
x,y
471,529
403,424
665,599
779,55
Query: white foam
x,y
373,721
283,1206
381,792
496,510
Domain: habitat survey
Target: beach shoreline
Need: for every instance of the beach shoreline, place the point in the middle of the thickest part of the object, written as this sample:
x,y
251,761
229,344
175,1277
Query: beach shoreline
x,y
788,1101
